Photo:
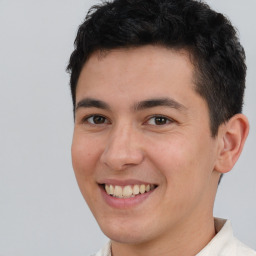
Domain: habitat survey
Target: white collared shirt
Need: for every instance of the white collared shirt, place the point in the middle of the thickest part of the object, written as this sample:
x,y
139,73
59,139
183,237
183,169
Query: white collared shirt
x,y
223,244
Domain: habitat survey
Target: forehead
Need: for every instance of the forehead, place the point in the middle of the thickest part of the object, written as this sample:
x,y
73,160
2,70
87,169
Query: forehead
x,y
137,68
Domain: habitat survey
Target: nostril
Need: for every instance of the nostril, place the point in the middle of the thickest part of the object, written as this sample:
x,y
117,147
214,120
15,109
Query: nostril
x,y
118,160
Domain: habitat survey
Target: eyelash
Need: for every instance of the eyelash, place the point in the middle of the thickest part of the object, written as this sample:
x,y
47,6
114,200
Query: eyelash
x,y
162,118
86,119
167,120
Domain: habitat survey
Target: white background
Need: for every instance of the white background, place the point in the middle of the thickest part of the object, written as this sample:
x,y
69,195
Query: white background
x,y
41,209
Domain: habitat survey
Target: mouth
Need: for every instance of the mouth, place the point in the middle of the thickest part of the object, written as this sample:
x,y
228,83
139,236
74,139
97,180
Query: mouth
x,y
127,191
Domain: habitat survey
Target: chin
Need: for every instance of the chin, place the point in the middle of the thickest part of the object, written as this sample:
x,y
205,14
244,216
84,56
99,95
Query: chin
x,y
125,237
124,232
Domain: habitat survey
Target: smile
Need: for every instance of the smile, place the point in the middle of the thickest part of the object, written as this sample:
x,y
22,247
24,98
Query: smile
x,y
129,190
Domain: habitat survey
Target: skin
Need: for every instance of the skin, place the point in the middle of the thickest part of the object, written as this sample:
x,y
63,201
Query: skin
x,y
127,142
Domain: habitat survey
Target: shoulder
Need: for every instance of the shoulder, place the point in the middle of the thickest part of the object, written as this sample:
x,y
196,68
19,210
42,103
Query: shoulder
x,y
225,243
242,249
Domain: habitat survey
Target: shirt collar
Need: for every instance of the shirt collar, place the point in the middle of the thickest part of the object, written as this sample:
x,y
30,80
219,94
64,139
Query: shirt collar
x,y
222,242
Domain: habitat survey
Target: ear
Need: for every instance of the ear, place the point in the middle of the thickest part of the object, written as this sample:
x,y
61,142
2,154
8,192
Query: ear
x,y
231,137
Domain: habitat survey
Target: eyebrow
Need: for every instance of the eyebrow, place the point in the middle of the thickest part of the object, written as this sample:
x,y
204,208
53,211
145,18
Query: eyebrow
x,y
157,102
92,103
145,104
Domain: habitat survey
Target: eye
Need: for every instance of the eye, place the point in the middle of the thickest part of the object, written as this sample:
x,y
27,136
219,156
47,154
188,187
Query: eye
x,y
159,120
96,119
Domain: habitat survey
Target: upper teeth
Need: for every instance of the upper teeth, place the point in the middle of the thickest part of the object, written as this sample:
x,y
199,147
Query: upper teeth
x,y
127,191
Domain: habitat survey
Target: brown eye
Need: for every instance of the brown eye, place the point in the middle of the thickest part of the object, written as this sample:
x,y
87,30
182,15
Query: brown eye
x,y
96,119
159,120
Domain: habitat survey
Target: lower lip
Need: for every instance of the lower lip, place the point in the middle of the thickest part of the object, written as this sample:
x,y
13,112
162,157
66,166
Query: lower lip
x,y
125,203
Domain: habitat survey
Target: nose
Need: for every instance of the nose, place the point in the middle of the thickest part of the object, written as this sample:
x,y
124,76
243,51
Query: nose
x,y
122,149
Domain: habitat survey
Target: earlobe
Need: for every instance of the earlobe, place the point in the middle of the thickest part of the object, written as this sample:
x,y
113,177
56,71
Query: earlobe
x,y
232,136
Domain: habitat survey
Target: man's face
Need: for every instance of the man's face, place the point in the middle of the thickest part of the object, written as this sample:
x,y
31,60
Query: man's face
x,y
140,125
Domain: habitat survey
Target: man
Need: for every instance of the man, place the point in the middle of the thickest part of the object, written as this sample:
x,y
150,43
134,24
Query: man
x,y
157,88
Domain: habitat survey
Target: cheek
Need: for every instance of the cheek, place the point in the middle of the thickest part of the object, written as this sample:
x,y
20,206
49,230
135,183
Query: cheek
x,y
172,156
84,159
84,156
184,162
